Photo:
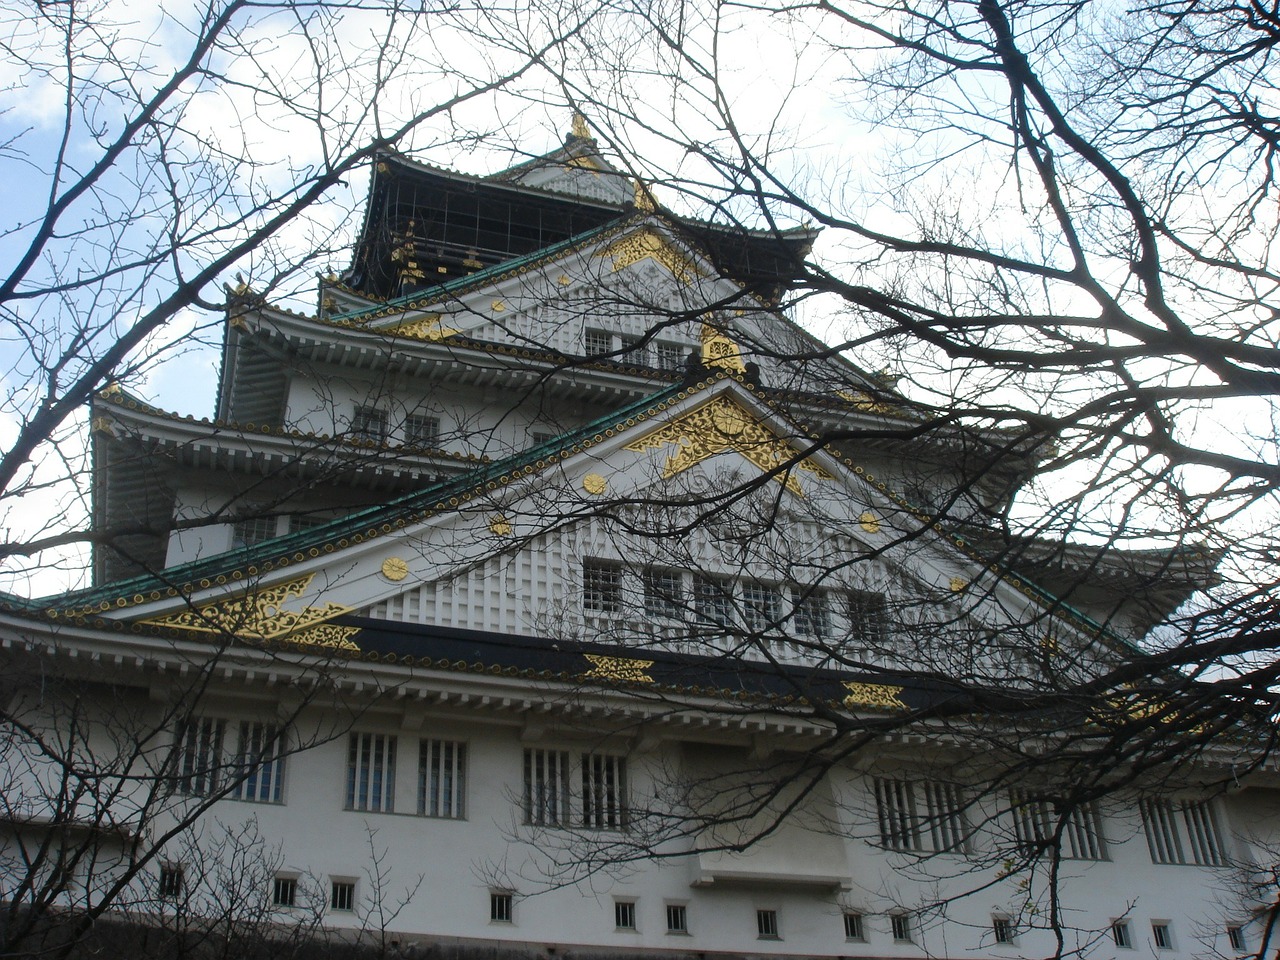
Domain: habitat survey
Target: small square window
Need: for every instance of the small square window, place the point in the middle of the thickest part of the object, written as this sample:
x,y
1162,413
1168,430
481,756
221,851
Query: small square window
x,y
253,530
668,356
1002,929
1161,934
343,895
284,891
853,926
500,907
677,918
1120,933
421,431
369,424
1235,936
901,924
767,924
601,587
596,342
624,914
663,593
171,882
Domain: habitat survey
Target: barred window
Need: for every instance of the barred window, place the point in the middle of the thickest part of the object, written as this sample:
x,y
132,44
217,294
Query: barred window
x,y
901,925
853,929
200,755
596,342
369,423
920,815
663,593
677,918
1034,823
171,883
713,600
546,787
762,604
259,761
1182,831
421,431
637,352
442,773
767,924
812,612
601,587
1120,933
500,907
1002,929
371,772
668,356
342,895
624,914
252,530
604,791
284,891
868,619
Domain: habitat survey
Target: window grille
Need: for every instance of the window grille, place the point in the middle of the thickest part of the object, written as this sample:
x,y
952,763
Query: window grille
x,y
200,755
624,914
601,587
259,762
421,431
677,918
1002,929
663,593
371,772
1235,937
442,773
500,907
342,895
636,351
252,530
668,356
369,423
1161,935
284,891
546,787
596,342
1120,933
812,614
713,600
868,620
171,883
604,791
853,926
762,605
767,924
1034,823
1182,831
901,926
916,815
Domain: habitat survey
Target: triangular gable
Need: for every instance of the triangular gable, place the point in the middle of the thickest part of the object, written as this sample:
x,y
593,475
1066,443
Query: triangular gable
x,y
296,587
576,169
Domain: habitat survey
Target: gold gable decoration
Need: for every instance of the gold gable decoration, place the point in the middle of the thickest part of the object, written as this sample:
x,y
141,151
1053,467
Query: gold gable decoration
x,y
647,244
876,696
618,669
718,350
717,426
260,615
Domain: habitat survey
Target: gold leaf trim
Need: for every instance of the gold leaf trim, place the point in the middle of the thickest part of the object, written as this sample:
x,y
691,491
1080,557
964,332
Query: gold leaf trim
x,y
719,425
618,669
259,615
427,328
329,635
869,522
719,350
594,484
648,245
879,696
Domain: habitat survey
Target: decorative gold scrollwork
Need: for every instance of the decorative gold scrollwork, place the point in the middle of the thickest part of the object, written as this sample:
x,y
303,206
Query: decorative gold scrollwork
x,y
427,328
258,615
618,669
647,244
877,696
719,425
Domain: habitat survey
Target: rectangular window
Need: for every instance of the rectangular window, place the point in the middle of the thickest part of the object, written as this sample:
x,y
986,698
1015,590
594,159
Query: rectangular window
x,y
767,924
200,756
1235,937
868,620
677,918
812,613
853,926
624,914
539,437
500,907
762,604
546,787
604,791
284,891
1002,929
371,772
442,774
259,761
342,895
1182,831
597,342
171,883
921,815
635,351
663,593
901,925
299,522
713,600
369,423
1161,934
601,587
668,356
421,430
252,530
1120,933
1035,823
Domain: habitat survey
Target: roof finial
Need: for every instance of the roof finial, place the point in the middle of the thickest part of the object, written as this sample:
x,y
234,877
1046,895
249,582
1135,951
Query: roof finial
x,y
579,126
644,199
